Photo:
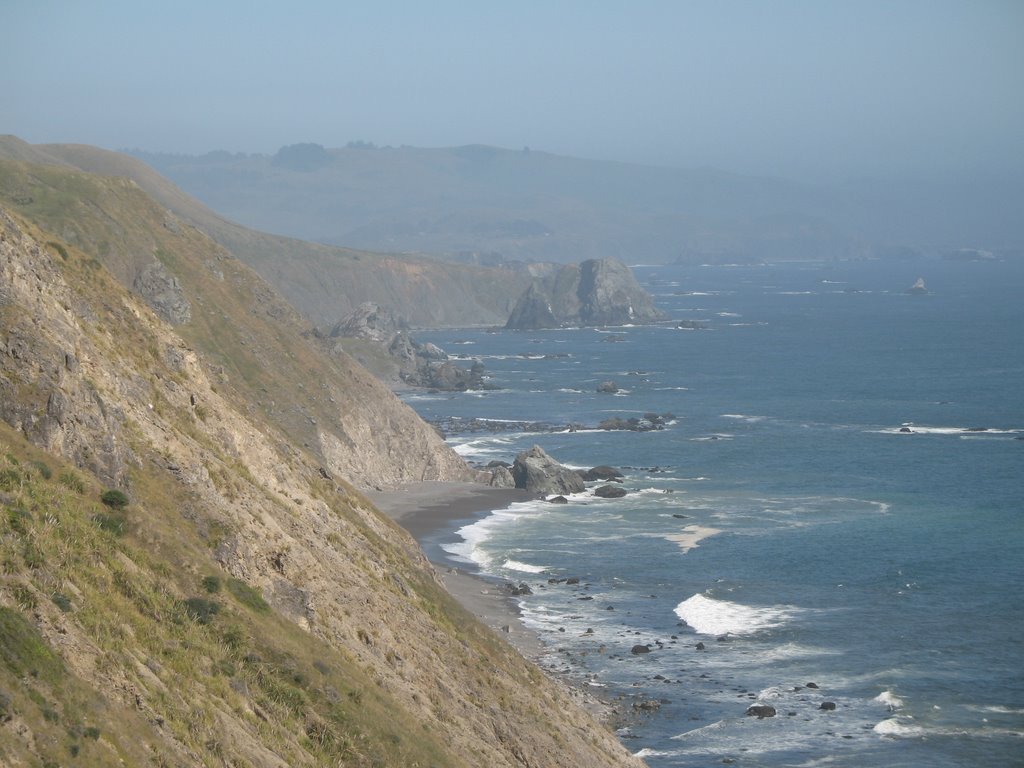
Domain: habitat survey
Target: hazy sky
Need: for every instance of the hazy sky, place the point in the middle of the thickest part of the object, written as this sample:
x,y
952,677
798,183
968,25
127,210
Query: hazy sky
x,y
792,87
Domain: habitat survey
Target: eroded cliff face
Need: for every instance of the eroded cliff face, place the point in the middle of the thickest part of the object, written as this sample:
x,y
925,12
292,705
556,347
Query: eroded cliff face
x,y
224,487
255,345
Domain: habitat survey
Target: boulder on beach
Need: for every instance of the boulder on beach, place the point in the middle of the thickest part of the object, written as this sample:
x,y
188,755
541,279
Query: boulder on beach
x,y
537,472
501,477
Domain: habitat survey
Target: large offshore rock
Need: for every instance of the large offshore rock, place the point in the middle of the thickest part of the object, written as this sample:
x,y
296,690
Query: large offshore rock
x,y
592,293
537,472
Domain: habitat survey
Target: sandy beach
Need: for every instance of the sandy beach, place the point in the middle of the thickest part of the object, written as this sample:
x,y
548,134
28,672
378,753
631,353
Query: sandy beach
x,y
426,508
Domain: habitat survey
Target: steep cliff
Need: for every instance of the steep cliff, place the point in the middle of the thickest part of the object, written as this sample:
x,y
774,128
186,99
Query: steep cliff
x,y
325,283
255,344
248,606
595,292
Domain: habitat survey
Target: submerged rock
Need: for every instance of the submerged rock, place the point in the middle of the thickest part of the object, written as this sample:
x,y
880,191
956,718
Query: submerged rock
x,y
918,287
603,472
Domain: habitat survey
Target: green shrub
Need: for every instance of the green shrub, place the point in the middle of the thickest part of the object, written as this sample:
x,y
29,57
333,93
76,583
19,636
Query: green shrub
x,y
59,249
247,596
44,470
211,584
201,610
62,601
18,520
114,498
92,732
113,523
10,479
72,482
23,651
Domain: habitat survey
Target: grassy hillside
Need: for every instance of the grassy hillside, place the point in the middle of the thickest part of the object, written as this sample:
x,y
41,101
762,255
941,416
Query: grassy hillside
x,y
325,283
245,606
255,347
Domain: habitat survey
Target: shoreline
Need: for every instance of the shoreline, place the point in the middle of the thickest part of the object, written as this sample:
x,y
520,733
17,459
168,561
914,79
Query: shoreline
x,y
430,509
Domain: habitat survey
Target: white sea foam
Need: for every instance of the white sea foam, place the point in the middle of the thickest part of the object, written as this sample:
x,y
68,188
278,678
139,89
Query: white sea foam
x,y
743,417
691,536
708,616
898,727
475,534
515,565
889,699
915,429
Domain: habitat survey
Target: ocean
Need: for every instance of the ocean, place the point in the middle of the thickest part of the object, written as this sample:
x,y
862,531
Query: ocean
x,y
832,513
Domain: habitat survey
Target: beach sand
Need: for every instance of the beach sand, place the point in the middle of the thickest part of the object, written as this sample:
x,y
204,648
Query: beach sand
x,y
429,507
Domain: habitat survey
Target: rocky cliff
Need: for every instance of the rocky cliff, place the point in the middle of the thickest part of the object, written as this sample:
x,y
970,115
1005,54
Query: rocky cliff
x,y
595,292
241,603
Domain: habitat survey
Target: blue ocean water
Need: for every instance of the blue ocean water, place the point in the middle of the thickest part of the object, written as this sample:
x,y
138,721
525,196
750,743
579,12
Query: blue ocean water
x,y
839,499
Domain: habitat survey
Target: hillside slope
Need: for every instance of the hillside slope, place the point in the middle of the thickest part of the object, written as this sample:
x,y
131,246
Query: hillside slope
x,y
325,283
252,341
246,608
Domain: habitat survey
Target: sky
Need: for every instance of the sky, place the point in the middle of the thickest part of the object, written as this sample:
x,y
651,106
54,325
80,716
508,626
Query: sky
x,y
792,88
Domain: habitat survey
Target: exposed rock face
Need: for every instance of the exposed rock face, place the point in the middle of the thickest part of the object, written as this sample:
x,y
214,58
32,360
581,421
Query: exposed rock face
x,y
595,292
369,321
419,365
163,293
537,472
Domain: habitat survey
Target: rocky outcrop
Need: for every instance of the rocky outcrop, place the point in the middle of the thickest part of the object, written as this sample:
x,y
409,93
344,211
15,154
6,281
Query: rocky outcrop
x,y
163,293
418,364
537,472
594,293
369,321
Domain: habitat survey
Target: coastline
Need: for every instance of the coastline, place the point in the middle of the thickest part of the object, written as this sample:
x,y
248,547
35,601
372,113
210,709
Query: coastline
x,y
428,509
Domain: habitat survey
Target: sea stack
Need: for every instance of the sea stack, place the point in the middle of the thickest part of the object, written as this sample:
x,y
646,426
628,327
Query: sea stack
x,y
593,293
